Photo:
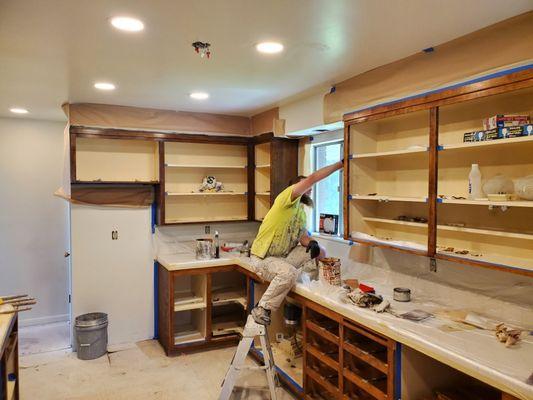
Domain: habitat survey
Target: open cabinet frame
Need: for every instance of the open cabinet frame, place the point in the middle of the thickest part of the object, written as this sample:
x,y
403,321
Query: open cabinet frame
x,y
434,104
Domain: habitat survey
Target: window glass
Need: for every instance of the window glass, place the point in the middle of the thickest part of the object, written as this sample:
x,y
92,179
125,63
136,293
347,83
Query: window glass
x,y
328,192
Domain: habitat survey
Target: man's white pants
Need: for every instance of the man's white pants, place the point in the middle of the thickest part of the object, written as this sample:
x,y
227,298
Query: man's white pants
x,y
282,274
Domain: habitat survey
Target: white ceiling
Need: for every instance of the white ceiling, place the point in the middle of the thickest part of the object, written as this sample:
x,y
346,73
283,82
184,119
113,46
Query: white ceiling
x,y
52,51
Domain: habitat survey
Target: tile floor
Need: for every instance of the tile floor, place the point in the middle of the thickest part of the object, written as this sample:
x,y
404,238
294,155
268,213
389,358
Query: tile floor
x,y
140,371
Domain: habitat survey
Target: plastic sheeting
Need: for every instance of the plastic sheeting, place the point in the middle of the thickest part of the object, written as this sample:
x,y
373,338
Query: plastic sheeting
x,y
466,348
496,47
113,116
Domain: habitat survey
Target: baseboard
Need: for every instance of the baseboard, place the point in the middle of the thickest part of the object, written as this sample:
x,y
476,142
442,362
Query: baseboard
x,y
43,320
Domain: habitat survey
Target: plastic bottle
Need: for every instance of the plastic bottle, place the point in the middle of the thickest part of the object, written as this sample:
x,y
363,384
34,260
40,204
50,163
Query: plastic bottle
x,y
474,183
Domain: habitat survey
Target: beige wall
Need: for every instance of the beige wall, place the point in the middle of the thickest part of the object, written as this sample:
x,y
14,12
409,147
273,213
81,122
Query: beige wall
x,y
33,223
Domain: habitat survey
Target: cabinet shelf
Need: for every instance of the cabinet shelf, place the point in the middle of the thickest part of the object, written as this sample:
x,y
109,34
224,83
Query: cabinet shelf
x,y
510,203
488,143
207,166
193,220
263,194
188,334
206,194
384,198
524,264
230,295
477,231
262,166
389,153
189,303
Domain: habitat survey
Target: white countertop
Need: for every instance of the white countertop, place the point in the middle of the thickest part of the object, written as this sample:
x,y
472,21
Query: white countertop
x,y
475,352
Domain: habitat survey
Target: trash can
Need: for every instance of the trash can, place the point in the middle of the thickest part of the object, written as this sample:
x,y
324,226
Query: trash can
x,y
91,335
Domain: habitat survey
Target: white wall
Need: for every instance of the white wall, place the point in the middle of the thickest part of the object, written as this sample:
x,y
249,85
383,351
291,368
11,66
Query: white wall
x,y
33,223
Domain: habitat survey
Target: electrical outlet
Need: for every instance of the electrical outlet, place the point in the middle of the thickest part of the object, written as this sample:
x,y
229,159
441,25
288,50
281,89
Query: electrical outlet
x,y
207,229
279,337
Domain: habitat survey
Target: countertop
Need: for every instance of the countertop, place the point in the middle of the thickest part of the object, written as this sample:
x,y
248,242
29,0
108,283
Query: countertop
x,y
473,351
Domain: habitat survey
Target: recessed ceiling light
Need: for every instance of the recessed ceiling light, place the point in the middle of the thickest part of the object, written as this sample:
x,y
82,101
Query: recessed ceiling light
x,y
269,47
127,24
17,110
104,86
199,95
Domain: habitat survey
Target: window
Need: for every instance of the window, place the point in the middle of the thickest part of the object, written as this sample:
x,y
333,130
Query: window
x,y
327,193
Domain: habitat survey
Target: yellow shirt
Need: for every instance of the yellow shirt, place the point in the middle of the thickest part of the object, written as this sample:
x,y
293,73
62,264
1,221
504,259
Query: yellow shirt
x,y
282,227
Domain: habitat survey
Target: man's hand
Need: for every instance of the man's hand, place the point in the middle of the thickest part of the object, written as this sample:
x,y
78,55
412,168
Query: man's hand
x,y
314,248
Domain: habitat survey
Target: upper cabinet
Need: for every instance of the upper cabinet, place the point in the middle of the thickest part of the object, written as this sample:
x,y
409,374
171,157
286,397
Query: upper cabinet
x,y
483,230
407,175
388,180
115,160
205,182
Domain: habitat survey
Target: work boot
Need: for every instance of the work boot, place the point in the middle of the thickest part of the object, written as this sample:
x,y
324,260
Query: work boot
x,y
261,315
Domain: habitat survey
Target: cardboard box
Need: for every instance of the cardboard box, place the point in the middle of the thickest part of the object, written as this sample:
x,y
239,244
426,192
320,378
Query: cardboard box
x,y
511,131
504,120
527,130
480,136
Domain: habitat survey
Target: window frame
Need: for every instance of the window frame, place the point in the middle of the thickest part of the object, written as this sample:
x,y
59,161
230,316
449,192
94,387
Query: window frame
x,y
314,149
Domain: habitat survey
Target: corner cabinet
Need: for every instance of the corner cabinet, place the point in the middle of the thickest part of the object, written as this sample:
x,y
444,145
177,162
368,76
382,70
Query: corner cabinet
x,y
407,173
275,166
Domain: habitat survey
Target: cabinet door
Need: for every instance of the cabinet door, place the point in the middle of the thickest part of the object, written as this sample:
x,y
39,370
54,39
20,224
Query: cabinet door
x,y
112,269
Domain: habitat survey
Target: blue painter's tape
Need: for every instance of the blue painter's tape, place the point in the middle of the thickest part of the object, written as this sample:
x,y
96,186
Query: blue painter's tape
x,y
156,300
349,197
398,372
333,89
439,200
429,50
350,157
311,138
350,243
454,86
154,213
440,148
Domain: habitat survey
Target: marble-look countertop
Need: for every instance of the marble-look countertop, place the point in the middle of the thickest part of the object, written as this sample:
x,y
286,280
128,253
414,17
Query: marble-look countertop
x,y
473,351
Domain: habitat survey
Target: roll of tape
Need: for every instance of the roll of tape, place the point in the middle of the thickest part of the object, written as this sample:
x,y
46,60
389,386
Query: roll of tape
x,y
402,294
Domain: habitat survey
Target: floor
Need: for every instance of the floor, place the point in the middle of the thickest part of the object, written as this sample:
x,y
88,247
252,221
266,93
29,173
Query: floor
x,y
138,371
44,338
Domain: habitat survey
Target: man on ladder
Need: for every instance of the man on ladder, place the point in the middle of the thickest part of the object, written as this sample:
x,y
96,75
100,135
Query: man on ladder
x,y
281,247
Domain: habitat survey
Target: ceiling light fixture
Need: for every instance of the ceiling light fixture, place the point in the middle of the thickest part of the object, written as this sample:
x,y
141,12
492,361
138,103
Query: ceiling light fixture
x,y
17,110
127,24
269,47
104,86
199,95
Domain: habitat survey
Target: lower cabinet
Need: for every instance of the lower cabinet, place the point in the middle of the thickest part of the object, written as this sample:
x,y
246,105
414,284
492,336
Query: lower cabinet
x,y
201,307
344,360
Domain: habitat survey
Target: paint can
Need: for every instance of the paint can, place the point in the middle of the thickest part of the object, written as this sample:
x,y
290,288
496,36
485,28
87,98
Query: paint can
x,y
330,270
402,294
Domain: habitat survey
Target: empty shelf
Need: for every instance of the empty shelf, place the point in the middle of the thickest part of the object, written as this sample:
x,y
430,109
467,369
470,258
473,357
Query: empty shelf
x,y
206,166
395,222
389,153
263,194
191,220
385,198
510,203
228,296
226,327
188,335
262,166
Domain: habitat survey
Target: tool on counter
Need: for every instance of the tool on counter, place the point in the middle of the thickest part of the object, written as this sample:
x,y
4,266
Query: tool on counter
x,y
217,245
251,329
21,302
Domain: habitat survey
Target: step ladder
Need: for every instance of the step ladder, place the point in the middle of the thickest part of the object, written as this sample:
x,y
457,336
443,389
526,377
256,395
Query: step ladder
x,y
251,329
